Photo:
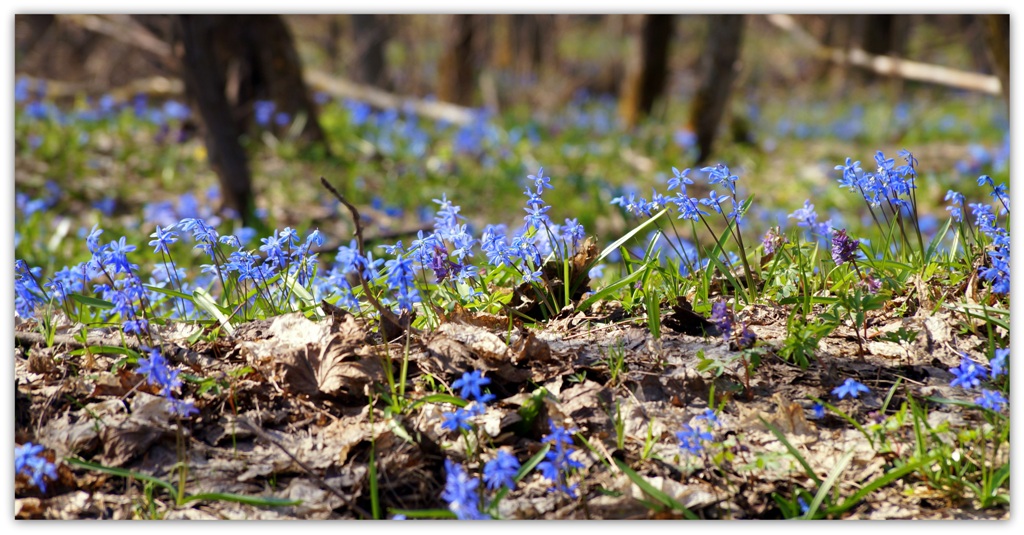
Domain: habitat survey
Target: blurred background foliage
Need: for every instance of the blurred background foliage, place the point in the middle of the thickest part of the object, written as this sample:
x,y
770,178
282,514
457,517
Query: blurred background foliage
x,y
134,120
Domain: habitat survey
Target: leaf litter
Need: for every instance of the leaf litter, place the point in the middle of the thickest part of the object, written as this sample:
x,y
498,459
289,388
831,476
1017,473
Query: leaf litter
x,y
289,416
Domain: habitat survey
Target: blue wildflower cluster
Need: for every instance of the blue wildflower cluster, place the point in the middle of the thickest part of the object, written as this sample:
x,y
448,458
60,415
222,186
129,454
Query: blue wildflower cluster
x,y
558,462
970,375
469,386
28,460
890,192
727,204
997,272
461,492
31,100
160,375
807,219
692,437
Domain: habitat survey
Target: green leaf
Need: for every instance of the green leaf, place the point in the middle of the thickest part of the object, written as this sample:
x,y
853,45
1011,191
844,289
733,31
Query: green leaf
x,y
92,302
611,288
826,487
792,451
206,302
122,473
168,291
879,483
615,245
649,490
259,501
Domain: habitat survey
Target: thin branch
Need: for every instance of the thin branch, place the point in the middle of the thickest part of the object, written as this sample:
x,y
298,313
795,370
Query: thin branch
x,y
385,313
889,65
265,436
28,339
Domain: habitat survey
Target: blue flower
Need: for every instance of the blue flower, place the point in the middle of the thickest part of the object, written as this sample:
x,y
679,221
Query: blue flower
x,y
460,491
818,411
29,461
691,439
158,373
991,400
263,110
681,180
401,279
998,362
708,416
850,388
688,207
162,238
501,470
850,174
558,461
117,255
456,420
469,386
968,374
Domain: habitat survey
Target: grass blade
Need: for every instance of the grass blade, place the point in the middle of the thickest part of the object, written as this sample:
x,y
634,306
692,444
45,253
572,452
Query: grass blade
x,y
611,288
205,301
259,501
649,490
826,487
615,245
792,451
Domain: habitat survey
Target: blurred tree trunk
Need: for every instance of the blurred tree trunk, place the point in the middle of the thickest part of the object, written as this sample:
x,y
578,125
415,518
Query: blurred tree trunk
x,y
371,36
228,62
457,76
277,70
719,66
29,30
878,35
647,67
882,35
205,83
504,42
332,42
997,36
533,44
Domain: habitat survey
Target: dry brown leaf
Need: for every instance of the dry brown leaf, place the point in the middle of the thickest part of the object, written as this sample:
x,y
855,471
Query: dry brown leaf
x,y
529,348
132,436
319,358
481,342
788,418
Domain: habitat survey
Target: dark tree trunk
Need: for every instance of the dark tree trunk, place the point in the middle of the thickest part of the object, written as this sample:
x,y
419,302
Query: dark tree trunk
x,y
719,66
457,67
29,30
647,69
332,42
371,36
229,62
531,34
997,36
878,35
276,67
205,83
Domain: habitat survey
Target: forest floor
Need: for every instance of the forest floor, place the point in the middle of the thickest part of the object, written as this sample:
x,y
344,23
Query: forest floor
x,y
284,413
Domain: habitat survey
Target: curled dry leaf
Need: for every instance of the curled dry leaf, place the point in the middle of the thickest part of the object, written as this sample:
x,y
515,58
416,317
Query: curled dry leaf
x,y
134,434
529,348
319,359
481,342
